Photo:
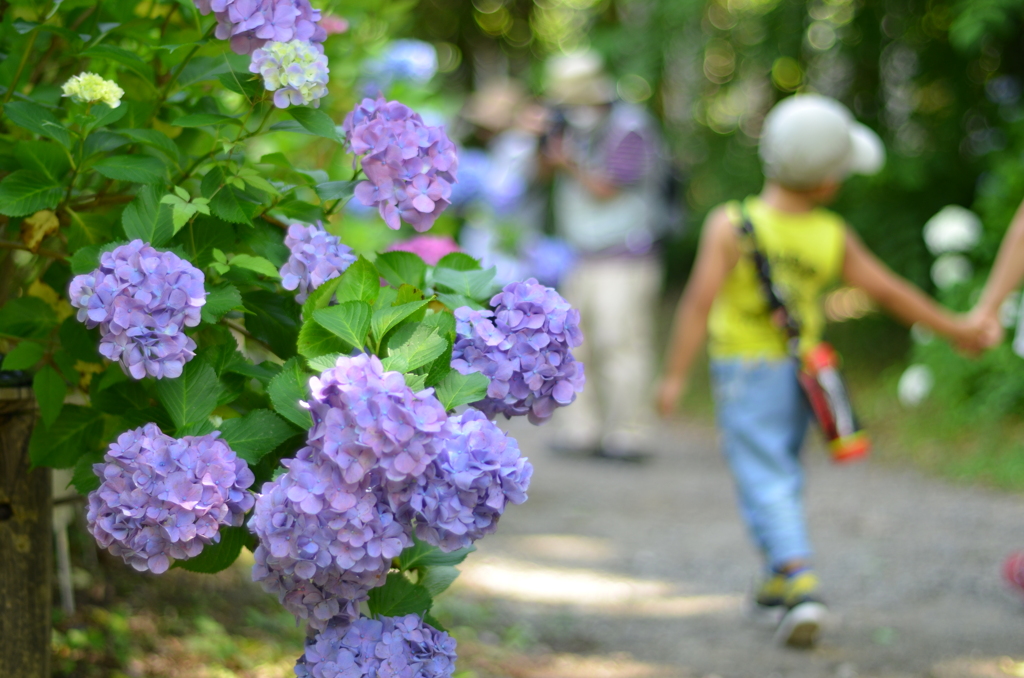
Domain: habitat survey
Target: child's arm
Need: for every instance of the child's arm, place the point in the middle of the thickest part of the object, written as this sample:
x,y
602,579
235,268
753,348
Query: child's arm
x,y
718,253
1006,272
901,298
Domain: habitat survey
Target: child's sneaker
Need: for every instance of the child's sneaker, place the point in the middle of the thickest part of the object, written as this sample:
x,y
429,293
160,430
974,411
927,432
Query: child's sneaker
x,y
805,612
767,603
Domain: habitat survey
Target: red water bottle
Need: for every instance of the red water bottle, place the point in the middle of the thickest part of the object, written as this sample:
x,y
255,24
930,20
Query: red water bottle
x,y
830,400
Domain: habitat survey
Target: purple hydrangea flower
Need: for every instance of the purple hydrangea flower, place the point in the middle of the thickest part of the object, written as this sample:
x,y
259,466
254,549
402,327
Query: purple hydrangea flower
x,y
296,72
391,647
317,256
324,542
410,60
163,499
142,299
250,24
524,345
549,259
365,418
464,492
410,167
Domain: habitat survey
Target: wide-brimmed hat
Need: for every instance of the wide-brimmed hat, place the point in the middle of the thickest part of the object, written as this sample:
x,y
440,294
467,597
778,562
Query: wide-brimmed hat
x,y
577,79
808,139
495,104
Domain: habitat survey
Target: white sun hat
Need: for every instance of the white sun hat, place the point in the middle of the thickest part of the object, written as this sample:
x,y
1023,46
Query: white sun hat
x,y
577,79
808,139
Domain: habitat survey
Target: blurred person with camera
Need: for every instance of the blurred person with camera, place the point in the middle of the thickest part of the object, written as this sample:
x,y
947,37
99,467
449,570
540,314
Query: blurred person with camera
x,y
608,166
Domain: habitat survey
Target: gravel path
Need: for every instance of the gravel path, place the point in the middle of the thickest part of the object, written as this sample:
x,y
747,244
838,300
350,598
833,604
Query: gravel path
x,y
629,571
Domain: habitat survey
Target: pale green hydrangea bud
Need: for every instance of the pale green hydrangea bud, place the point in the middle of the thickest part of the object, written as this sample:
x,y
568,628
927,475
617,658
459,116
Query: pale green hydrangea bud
x,y
295,71
89,88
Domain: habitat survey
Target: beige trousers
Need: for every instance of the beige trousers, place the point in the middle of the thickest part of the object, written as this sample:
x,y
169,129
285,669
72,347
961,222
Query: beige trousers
x,y
617,300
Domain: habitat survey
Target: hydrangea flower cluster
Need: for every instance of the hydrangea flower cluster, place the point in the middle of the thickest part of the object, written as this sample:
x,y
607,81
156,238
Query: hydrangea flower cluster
x,y
88,88
163,499
429,248
250,24
295,71
323,542
410,60
549,259
317,256
365,418
464,492
142,299
524,345
392,647
410,167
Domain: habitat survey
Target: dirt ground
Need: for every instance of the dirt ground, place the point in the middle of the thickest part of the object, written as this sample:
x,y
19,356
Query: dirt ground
x,y
640,571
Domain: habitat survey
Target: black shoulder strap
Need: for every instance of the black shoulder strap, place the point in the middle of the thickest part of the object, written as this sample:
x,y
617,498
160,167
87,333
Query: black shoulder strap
x,y
764,274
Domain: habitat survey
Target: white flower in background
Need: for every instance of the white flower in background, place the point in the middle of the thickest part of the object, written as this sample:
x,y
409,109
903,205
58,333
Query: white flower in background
x,y
952,229
951,269
89,88
1008,310
921,334
915,385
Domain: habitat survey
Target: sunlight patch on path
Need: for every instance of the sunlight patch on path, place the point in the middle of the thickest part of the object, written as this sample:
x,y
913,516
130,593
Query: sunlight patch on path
x,y
623,596
979,667
614,666
564,547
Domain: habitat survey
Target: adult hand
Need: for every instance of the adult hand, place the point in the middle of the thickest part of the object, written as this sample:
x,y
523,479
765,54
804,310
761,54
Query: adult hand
x,y
980,331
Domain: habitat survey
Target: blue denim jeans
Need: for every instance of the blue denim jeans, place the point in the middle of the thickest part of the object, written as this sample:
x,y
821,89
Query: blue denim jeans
x,y
763,416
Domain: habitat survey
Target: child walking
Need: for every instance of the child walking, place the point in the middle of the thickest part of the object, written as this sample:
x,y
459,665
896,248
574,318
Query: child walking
x,y
809,145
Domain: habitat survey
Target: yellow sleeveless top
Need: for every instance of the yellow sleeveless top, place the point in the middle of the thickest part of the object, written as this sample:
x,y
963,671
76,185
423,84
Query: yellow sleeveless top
x,y
805,251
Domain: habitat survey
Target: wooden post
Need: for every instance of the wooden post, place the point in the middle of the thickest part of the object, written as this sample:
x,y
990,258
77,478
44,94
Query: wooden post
x,y
26,544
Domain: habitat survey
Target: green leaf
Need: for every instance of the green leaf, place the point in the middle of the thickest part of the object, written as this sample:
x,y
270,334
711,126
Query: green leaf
x,y
316,122
421,555
138,169
65,363
35,118
208,68
320,297
258,264
360,281
146,219
440,368
298,210
273,319
478,285
386,297
219,300
460,389
87,258
349,320
23,356
401,268
399,597
234,205
218,557
459,261
421,347
437,579
443,322
248,85
84,478
315,341
26,191
80,342
120,398
323,362
336,190
50,390
255,434
153,139
454,301
105,115
76,432
386,319
44,157
27,318
192,397
128,59
205,120
415,382
287,389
